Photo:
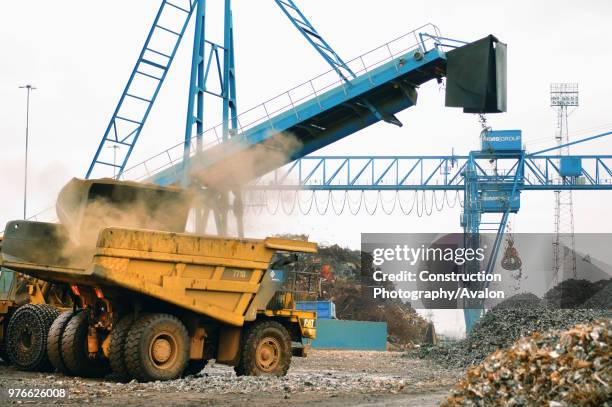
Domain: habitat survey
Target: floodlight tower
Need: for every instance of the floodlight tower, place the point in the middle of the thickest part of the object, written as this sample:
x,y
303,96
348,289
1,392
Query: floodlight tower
x,y
563,96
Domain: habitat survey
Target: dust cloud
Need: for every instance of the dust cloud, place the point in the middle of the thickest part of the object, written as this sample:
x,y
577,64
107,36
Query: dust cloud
x,y
85,208
246,165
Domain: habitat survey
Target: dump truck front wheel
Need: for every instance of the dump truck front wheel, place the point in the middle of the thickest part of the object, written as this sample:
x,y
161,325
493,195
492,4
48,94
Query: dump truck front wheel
x,y
74,349
157,348
27,334
54,341
266,350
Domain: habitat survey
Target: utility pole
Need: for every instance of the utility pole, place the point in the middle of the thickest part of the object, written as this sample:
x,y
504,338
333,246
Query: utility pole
x,y
29,88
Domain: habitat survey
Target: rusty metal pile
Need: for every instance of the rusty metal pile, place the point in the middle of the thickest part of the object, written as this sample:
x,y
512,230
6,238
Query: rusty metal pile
x,y
602,299
569,303
557,368
503,325
575,293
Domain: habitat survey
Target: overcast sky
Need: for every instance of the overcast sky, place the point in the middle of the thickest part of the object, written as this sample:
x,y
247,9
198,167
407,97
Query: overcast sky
x,y
79,55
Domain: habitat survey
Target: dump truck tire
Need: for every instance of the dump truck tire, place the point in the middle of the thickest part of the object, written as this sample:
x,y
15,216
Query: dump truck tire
x,y
117,347
157,348
26,337
266,350
74,349
54,341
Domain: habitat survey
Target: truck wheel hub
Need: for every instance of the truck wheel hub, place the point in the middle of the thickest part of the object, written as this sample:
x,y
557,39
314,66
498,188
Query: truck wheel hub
x,y
163,350
268,354
25,340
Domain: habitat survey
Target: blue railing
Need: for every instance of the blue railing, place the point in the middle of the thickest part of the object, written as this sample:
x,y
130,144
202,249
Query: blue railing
x,y
288,101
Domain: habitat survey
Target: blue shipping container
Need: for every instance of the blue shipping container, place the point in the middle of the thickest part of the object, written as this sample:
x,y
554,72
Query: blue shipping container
x,y
350,335
324,309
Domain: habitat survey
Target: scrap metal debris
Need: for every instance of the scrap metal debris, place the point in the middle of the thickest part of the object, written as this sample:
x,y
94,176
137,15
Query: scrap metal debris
x,y
518,316
574,293
557,368
602,299
520,301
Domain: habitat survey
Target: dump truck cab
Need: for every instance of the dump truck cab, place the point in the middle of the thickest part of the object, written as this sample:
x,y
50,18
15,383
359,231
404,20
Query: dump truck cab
x,y
158,304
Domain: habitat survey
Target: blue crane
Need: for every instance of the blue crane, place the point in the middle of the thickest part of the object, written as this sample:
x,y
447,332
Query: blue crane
x,y
212,61
485,191
351,96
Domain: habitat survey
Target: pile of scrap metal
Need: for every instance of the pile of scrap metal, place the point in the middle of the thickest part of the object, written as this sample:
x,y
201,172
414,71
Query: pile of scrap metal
x,y
518,316
557,368
573,293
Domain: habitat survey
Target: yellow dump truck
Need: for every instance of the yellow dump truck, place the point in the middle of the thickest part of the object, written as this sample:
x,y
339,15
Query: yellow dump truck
x,y
155,305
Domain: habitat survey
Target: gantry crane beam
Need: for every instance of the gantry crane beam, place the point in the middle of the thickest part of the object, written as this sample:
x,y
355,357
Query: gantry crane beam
x,y
433,173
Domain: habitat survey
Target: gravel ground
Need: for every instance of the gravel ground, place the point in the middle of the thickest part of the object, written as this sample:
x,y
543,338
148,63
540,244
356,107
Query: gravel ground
x,y
325,378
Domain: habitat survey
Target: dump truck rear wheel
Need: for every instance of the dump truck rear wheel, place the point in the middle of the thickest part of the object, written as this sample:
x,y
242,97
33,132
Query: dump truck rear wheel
x,y
54,341
157,348
27,334
74,349
117,347
266,350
